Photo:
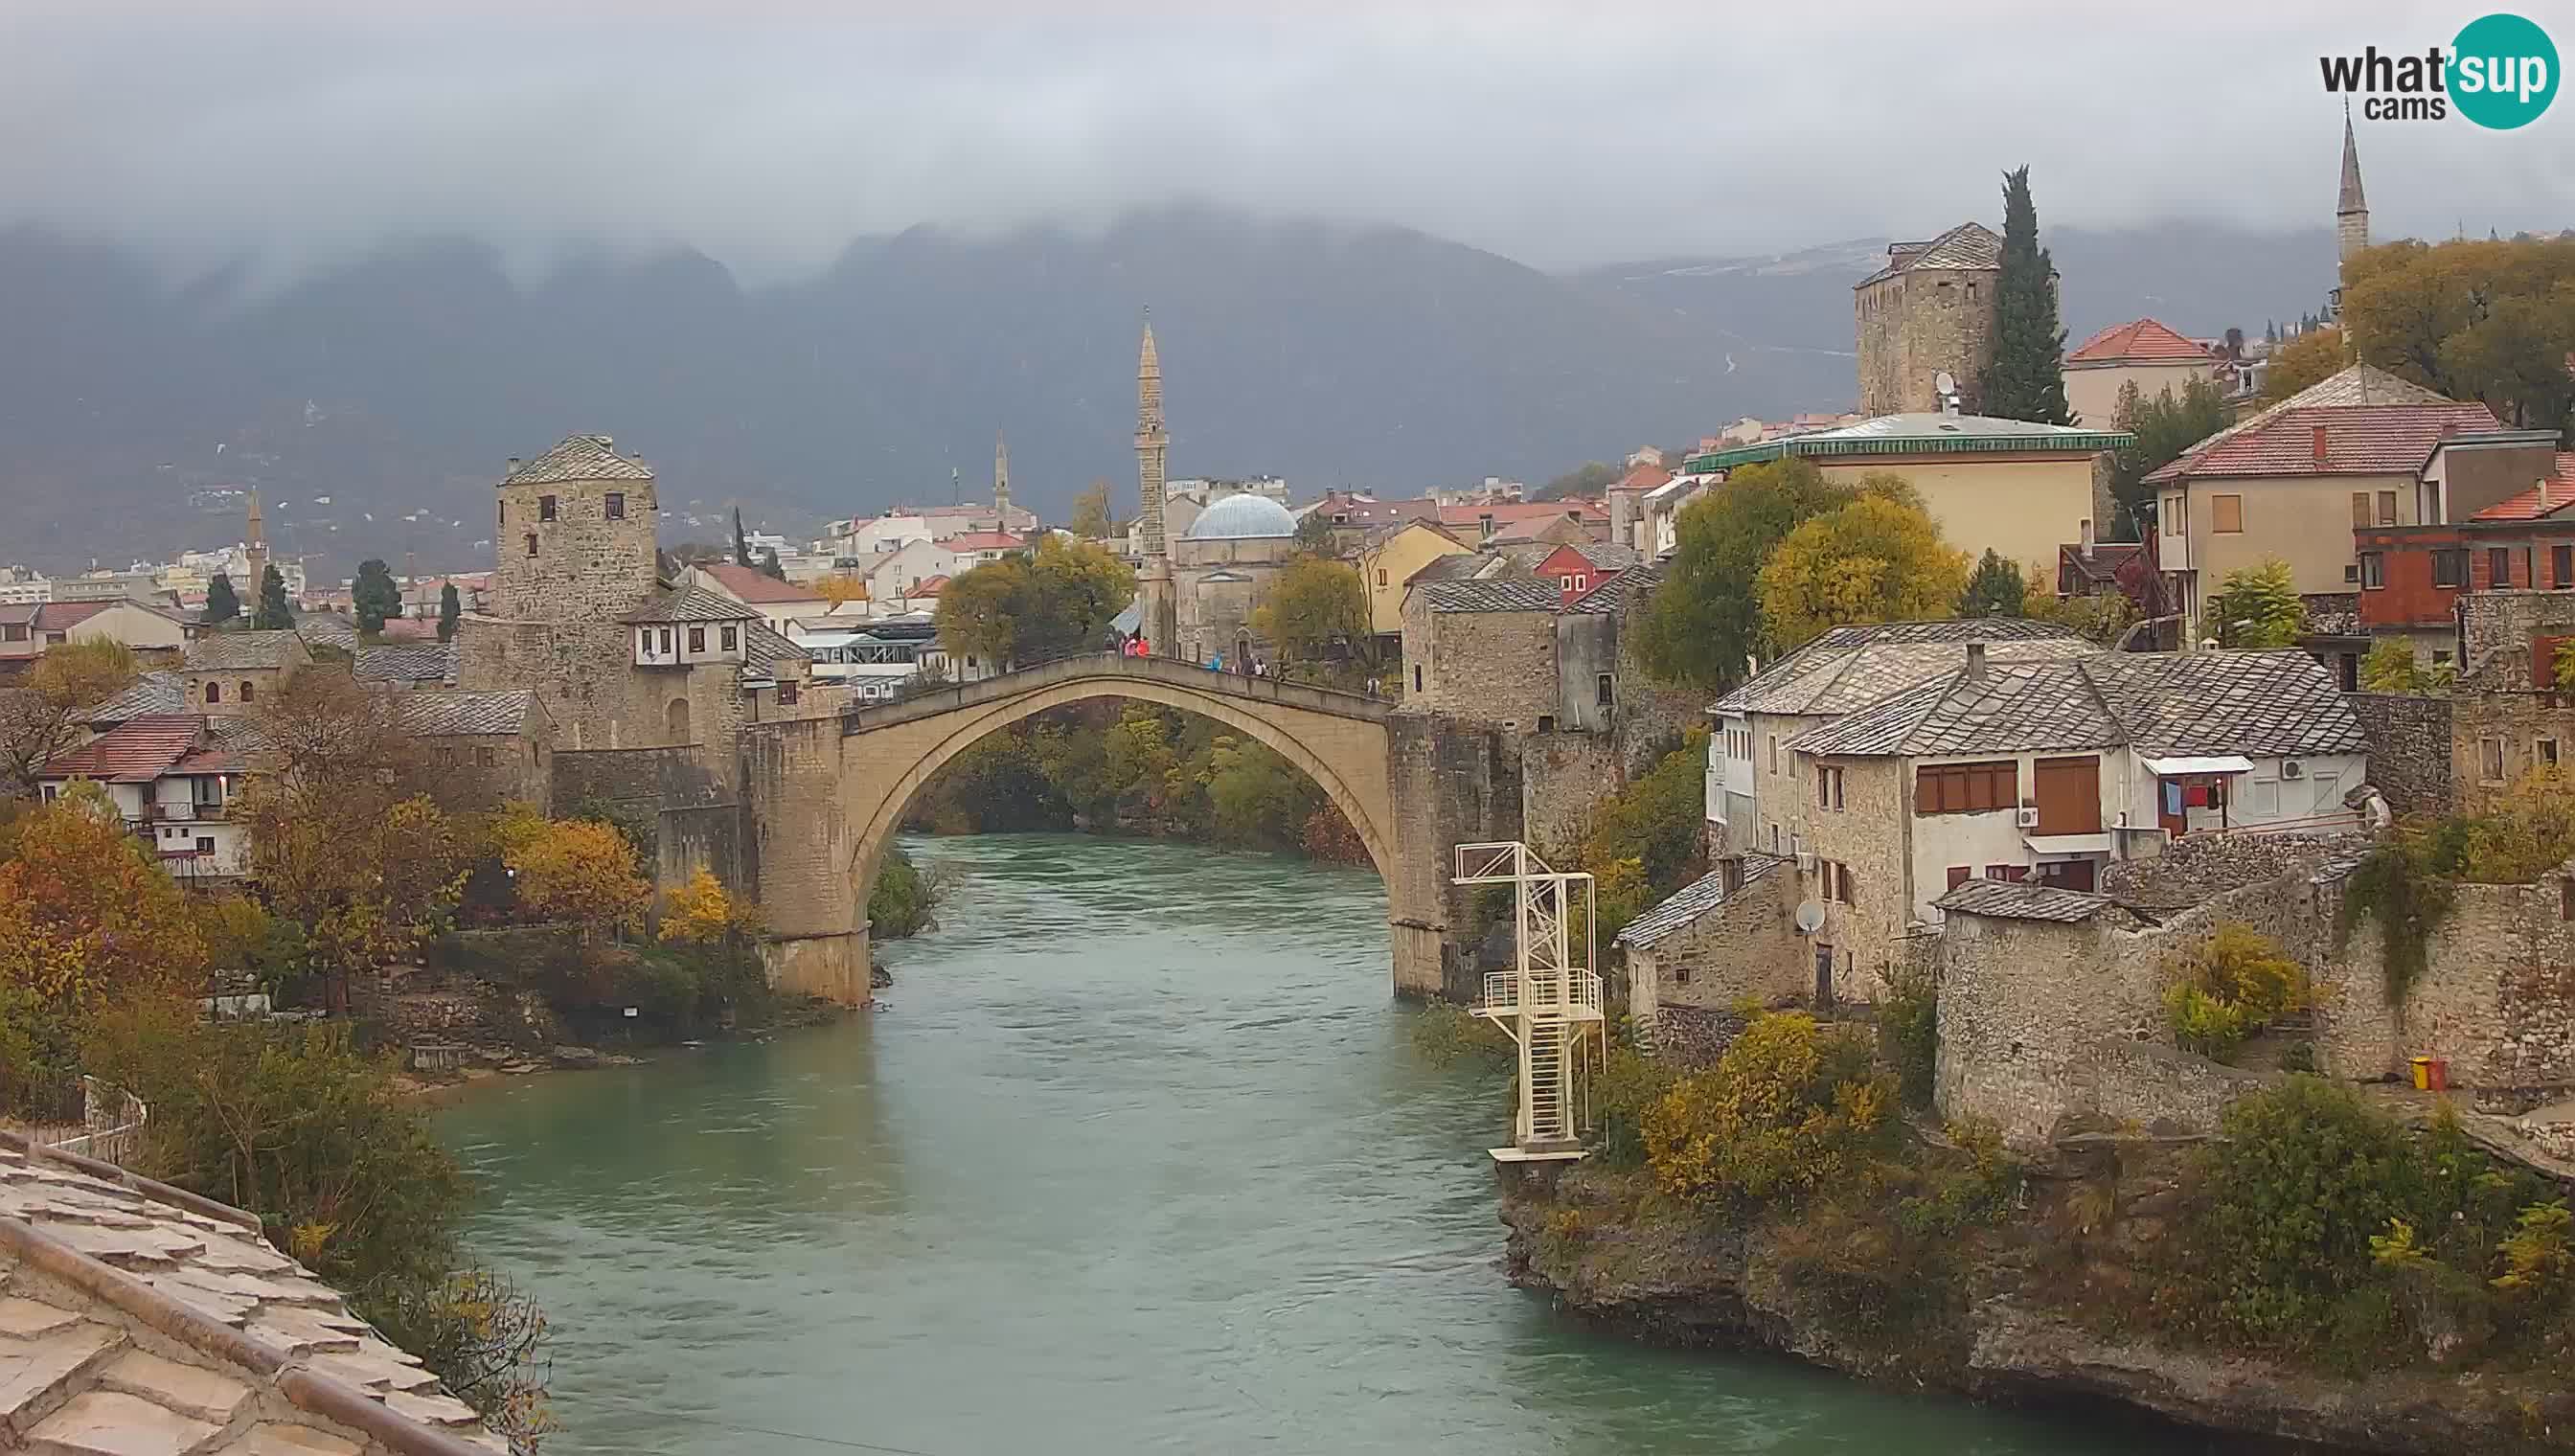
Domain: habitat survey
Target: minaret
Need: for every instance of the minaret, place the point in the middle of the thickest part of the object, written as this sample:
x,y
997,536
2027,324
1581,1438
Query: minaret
x,y
1000,482
1158,617
2351,213
255,552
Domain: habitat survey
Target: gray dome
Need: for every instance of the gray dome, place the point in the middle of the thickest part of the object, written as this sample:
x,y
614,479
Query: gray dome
x,y
1242,516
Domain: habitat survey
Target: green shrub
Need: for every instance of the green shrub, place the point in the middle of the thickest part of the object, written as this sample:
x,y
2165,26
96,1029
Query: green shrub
x,y
903,900
1630,1084
1790,1107
2230,987
1445,1033
1909,1019
2203,1024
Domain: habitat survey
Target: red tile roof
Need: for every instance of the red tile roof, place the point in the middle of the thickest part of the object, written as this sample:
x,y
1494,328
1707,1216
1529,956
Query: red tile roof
x,y
2139,341
2356,439
928,588
1521,512
751,586
2546,498
1642,478
63,615
136,750
982,541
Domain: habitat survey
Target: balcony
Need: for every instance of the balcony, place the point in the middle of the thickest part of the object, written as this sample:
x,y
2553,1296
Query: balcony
x,y
172,811
1572,995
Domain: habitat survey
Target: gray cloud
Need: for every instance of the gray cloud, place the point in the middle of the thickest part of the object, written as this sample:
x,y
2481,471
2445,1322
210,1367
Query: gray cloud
x,y
770,133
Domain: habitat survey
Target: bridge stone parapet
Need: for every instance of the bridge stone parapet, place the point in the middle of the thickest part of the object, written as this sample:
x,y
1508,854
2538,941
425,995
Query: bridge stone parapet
x,y
826,797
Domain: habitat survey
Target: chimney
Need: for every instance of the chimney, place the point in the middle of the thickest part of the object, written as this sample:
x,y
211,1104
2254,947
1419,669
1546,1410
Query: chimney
x,y
1975,662
2087,537
2320,445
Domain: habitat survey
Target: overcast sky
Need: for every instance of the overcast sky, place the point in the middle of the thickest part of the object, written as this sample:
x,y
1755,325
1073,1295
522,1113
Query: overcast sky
x,y
769,133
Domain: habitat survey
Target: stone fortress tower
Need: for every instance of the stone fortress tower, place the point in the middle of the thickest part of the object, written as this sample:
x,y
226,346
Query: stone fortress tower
x,y
1931,308
1157,613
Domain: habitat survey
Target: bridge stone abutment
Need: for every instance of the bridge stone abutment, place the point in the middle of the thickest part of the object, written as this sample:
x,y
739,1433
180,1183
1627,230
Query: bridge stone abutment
x,y
827,796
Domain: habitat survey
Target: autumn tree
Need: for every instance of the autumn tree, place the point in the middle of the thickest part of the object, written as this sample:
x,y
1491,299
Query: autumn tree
x,y
342,840
580,870
2166,427
273,614
1029,607
1309,604
2476,320
2026,380
841,587
1878,559
1091,515
2258,606
41,717
222,604
2310,358
702,912
374,596
1588,479
1703,626
1315,534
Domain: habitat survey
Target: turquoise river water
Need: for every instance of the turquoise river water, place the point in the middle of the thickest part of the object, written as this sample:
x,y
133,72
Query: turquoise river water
x,y
1138,1156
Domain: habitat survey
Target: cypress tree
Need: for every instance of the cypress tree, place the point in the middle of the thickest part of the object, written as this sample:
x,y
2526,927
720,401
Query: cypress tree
x,y
222,604
741,541
272,615
375,595
769,568
2026,381
449,610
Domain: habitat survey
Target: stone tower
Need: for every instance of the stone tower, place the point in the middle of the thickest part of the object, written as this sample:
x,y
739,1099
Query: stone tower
x,y
574,535
253,555
2351,211
1001,482
1158,617
1929,310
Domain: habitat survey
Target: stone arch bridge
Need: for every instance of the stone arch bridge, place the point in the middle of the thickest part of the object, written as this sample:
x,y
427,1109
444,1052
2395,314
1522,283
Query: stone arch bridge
x,y
826,795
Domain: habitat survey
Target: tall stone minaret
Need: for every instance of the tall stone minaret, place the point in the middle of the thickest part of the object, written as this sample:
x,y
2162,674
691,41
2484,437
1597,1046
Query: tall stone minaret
x,y
1159,615
1001,482
2351,212
254,554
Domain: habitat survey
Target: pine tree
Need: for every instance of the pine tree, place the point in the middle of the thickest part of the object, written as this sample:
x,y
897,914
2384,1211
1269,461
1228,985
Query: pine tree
x,y
272,615
2026,380
1997,589
449,610
741,541
222,605
375,595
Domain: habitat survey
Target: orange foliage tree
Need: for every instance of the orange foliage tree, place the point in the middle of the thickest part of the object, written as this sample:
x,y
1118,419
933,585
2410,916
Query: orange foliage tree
x,y
572,869
701,912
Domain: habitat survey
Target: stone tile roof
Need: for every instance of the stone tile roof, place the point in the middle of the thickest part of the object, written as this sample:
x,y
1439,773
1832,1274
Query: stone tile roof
x,y
2541,501
137,1319
763,650
1851,667
229,652
2259,704
1968,245
1613,596
1456,566
2362,387
137,750
748,584
430,662
1500,594
578,458
162,690
2139,341
1692,901
2010,900
326,629
690,604
437,713
1609,554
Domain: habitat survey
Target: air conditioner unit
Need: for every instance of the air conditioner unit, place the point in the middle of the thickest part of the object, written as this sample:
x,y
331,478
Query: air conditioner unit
x,y
1805,863
2292,768
2027,819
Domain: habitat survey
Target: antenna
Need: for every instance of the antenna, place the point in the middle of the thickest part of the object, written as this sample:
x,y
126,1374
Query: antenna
x,y
1811,918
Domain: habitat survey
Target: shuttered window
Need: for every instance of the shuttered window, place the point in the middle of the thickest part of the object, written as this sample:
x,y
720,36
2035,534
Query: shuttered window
x,y
2227,513
1949,788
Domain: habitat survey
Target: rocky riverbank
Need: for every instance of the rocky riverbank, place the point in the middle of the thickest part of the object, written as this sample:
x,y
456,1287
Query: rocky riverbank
x,y
2051,1302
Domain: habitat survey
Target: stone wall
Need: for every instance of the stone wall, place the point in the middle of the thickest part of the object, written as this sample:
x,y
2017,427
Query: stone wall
x,y
1869,932
1563,778
1495,666
478,771
2498,737
1917,323
2409,748
2497,999
1457,782
2496,630
1745,949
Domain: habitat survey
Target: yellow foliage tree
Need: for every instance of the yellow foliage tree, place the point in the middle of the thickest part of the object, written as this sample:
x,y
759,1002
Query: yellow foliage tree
x,y
86,917
1791,1107
577,870
1878,559
842,587
40,721
701,912
2311,358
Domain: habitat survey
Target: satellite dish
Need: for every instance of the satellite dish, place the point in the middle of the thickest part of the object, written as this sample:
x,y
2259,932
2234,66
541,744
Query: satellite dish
x,y
1811,918
1945,381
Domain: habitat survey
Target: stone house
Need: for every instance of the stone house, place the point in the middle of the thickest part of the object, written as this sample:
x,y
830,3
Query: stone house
x,y
488,748
777,603
2141,352
2351,447
1484,650
173,777
1726,935
2021,489
1931,310
229,670
1387,559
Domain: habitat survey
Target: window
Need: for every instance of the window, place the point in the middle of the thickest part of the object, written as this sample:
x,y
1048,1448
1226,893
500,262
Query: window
x,y
2498,567
2373,570
486,756
2565,888
2012,873
732,638
666,641
2361,516
2450,568
532,543
1546,723
205,844
2226,514
545,508
1829,786
617,504
2561,567
1565,584
214,693
2175,516
1839,886
2545,750
1581,583
2351,572
788,692
501,513
248,690
1967,787
697,639
1417,677
1958,876
2490,760
2387,507
1381,575
1774,752
1604,691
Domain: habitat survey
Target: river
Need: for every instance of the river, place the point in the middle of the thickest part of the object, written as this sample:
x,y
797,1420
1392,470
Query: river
x,y
1138,1156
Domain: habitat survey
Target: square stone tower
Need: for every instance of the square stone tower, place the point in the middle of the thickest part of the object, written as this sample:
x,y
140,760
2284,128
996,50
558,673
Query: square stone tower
x,y
1931,308
573,535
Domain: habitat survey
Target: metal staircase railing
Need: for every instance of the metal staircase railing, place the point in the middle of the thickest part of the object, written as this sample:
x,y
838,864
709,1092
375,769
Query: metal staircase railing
x,y
1550,1001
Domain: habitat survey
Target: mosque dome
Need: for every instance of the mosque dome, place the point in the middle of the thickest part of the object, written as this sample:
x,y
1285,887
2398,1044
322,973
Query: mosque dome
x,y
1243,516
